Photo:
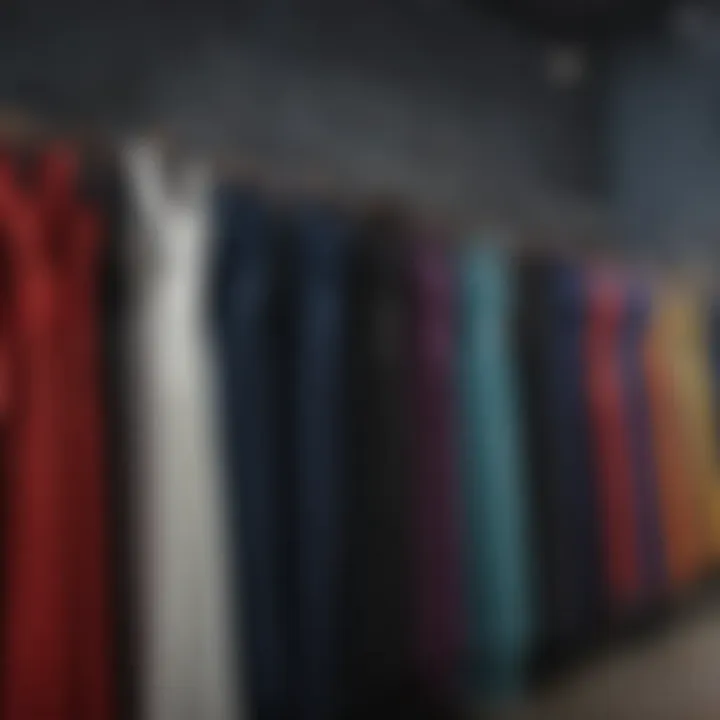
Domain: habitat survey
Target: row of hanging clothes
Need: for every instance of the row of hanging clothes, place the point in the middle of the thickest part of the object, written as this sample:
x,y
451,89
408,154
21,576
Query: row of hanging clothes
x,y
288,462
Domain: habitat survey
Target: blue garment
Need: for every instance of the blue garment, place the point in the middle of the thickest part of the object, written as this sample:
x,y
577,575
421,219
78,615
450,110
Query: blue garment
x,y
650,535
317,314
580,597
536,321
497,563
243,296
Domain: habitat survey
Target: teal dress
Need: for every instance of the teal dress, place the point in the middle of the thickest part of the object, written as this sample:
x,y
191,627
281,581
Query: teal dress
x,y
497,553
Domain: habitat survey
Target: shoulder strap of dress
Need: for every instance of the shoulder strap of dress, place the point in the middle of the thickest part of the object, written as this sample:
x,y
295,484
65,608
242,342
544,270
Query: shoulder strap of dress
x,y
143,162
196,186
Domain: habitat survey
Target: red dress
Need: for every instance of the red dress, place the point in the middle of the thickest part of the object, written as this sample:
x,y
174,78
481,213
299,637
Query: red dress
x,y
610,437
74,231
57,623
36,635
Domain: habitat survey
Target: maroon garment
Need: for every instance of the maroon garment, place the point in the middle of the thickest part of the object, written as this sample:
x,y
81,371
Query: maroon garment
x,y
56,621
36,677
74,233
610,432
434,480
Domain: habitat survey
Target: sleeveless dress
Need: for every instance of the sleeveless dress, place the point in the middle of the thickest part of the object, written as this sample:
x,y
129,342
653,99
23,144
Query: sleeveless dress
x,y
313,326
435,526
497,568
378,593
187,625
244,296
36,635
611,443
57,619
551,325
676,494
691,362
634,335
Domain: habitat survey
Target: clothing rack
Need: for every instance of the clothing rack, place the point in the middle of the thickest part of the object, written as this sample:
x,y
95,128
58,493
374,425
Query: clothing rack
x,y
462,308
576,233
20,128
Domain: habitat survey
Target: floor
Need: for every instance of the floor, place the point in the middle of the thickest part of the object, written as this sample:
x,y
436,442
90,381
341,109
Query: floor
x,y
674,675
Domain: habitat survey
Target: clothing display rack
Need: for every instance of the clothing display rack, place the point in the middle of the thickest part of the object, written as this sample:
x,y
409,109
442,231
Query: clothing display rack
x,y
271,449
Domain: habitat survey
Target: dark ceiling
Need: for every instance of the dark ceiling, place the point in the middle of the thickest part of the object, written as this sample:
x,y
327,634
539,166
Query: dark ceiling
x,y
587,20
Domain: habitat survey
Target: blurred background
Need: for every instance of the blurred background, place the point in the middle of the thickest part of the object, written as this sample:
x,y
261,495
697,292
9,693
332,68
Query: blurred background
x,y
539,107
577,114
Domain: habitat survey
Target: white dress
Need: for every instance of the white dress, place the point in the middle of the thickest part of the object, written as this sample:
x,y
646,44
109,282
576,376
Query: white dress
x,y
189,667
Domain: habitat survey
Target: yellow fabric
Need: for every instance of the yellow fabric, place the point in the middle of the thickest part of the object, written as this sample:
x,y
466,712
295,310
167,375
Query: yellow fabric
x,y
690,357
676,493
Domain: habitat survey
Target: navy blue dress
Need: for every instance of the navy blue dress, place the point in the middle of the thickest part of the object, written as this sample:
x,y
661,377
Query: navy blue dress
x,y
316,322
245,291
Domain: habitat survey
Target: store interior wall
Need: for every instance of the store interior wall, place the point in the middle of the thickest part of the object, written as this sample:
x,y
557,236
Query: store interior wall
x,y
429,98
662,131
